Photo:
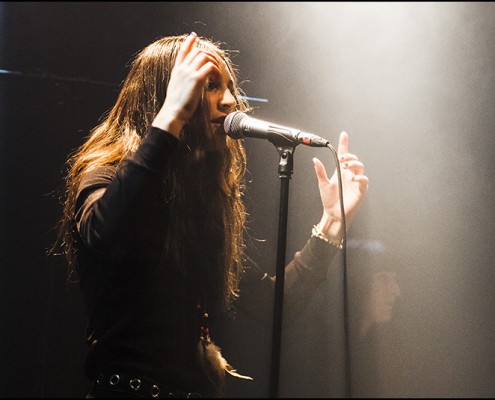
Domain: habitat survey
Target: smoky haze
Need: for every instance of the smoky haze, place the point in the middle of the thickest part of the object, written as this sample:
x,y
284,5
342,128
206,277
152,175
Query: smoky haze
x,y
411,83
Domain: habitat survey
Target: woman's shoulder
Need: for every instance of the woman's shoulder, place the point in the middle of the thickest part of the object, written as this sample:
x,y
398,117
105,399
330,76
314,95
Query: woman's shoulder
x,y
97,176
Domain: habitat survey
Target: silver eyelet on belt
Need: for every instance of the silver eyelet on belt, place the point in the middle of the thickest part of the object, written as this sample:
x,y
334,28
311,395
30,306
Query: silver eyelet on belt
x,y
155,391
135,384
114,380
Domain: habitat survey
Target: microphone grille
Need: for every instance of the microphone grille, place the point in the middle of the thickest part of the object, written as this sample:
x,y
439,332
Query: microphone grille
x,y
232,124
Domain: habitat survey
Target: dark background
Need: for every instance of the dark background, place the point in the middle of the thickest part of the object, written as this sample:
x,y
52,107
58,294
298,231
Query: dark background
x,y
412,83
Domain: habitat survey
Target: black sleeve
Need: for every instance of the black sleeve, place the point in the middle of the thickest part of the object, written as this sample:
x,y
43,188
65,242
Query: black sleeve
x,y
303,274
108,197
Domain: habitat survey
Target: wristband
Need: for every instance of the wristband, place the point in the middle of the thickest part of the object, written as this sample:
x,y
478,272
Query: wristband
x,y
319,234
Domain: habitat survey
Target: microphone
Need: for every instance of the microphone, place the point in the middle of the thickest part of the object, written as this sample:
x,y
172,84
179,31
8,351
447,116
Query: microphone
x,y
239,125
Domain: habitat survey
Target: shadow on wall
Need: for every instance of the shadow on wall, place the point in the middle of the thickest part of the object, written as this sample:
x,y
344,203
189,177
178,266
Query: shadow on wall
x,y
314,357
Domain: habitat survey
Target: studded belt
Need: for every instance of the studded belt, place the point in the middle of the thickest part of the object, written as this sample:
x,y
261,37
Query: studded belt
x,y
138,386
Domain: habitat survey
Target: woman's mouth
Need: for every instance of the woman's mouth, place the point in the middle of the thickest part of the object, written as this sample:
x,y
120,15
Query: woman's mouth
x,y
218,120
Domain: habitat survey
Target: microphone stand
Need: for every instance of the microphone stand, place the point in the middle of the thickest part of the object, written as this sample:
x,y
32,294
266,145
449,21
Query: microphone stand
x,y
285,169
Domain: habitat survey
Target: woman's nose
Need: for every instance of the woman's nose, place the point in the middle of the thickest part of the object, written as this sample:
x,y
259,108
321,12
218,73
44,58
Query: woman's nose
x,y
227,102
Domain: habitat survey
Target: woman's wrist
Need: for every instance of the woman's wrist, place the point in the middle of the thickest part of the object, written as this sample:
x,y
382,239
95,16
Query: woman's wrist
x,y
329,229
169,124
316,232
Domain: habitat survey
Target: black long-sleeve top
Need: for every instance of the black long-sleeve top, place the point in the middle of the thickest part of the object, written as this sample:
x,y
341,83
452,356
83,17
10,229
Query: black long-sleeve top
x,y
142,316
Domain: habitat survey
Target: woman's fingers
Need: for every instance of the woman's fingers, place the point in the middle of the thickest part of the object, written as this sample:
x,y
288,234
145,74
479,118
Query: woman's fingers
x,y
320,170
196,57
186,47
355,166
343,143
198,61
347,157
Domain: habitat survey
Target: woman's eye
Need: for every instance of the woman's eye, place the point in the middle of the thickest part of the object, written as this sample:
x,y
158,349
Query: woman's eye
x,y
212,84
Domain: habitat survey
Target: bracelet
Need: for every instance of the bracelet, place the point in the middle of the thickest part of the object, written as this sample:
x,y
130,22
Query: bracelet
x,y
319,234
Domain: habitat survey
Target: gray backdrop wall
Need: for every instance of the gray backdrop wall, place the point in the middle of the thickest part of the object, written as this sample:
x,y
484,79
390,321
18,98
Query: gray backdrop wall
x,y
412,83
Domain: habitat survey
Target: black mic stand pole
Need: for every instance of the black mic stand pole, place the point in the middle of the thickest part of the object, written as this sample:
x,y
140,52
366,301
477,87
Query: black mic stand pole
x,y
285,169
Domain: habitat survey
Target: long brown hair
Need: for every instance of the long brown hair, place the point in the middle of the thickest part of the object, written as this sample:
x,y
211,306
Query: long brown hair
x,y
220,187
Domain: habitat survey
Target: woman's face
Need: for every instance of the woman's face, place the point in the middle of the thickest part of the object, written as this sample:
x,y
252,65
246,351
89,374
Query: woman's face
x,y
221,102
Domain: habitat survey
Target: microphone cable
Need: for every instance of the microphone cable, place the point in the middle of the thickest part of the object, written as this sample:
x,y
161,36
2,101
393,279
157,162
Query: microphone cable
x,y
347,354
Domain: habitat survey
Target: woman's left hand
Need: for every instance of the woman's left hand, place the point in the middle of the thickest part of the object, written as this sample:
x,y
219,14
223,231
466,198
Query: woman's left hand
x,y
354,188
